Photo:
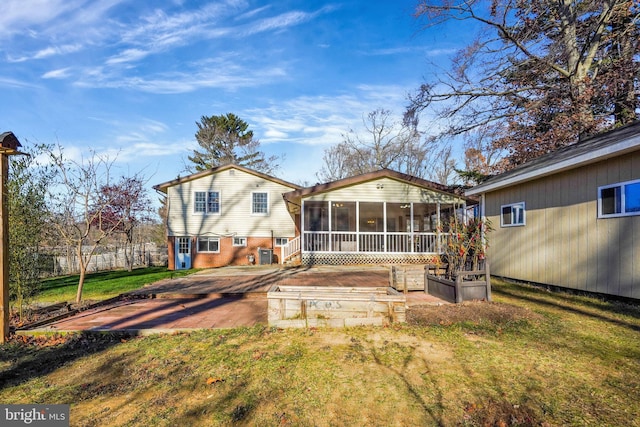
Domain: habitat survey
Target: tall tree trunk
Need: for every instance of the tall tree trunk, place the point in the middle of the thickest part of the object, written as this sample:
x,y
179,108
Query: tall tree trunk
x,y
622,52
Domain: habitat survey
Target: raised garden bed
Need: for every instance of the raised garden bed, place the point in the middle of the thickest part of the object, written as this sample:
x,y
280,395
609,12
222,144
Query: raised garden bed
x,y
467,286
312,306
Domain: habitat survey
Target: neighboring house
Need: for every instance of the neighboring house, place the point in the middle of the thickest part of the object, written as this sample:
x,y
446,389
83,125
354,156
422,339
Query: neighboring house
x,y
380,217
570,218
223,216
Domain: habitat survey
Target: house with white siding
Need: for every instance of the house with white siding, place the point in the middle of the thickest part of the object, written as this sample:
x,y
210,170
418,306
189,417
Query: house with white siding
x,y
232,215
226,216
570,218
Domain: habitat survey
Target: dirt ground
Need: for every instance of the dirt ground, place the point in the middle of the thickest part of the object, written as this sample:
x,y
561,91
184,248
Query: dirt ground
x,y
473,312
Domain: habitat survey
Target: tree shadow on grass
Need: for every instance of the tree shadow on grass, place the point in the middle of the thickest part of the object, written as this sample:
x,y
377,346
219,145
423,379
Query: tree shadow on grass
x,y
590,307
31,357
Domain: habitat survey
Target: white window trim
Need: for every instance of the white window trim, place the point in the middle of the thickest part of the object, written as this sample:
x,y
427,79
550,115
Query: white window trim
x,y
286,239
511,205
623,201
251,207
207,252
206,202
243,241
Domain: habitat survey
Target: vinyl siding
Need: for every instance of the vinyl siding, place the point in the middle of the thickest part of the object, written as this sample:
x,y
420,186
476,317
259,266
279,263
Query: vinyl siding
x,y
235,218
385,190
563,242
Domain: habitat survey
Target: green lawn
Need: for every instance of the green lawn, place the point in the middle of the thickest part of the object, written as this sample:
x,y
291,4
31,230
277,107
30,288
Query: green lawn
x,y
103,285
531,358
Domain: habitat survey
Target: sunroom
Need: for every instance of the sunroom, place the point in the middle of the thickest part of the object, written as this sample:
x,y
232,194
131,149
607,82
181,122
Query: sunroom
x,y
380,217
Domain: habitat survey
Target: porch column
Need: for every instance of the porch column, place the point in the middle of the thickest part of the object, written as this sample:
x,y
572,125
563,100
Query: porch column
x,y
438,228
357,226
385,247
302,236
330,226
413,248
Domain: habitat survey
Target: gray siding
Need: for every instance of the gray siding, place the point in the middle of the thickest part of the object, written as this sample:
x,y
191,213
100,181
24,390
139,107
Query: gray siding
x,y
563,242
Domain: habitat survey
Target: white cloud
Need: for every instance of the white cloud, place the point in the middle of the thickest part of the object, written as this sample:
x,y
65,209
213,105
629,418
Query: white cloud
x,y
252,13
15,83
322,120
19,16
127,55
60,73
47,52
227,76
409,50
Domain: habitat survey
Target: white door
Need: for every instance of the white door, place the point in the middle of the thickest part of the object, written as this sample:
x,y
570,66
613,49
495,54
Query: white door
x,y
183,253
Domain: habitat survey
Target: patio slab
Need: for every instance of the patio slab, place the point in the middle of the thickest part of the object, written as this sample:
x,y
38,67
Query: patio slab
x,y
167,313
220,298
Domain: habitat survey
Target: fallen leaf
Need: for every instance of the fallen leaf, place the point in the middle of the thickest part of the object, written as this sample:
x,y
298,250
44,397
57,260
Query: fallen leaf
x,y
212,380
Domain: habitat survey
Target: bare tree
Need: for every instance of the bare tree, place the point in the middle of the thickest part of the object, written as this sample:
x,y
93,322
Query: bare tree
x,y
385,143
78,208
445,166
125,205
542,73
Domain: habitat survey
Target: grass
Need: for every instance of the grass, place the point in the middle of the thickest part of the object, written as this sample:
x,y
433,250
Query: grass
x,y
531,358
102,285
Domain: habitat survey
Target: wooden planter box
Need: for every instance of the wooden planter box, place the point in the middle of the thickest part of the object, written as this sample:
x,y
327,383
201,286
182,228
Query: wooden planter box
x,y
461,289
412,277
312,306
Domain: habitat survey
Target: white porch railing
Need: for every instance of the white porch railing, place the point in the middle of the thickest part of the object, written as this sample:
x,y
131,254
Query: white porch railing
x,y
324,241
290,249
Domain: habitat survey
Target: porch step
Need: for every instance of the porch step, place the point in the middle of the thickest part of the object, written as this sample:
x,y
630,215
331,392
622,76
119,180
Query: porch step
x,y
295,260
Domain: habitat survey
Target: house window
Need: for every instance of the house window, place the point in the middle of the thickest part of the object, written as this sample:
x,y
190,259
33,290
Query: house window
x,y
282,241
239,241
206,202
208,244
260,204
512,215
621,199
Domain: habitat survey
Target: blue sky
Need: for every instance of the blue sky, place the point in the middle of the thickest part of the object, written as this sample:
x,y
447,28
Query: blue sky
x,y
130,78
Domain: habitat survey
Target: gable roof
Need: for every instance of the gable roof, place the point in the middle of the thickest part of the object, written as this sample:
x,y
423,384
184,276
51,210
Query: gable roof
x,y
370,176
165,185
600,147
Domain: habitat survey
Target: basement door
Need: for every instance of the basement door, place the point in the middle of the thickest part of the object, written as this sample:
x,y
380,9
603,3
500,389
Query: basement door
x,y
183,253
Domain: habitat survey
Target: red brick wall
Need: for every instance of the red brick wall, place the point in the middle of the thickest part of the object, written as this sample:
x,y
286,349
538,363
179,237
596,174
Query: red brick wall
x,y
228,255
